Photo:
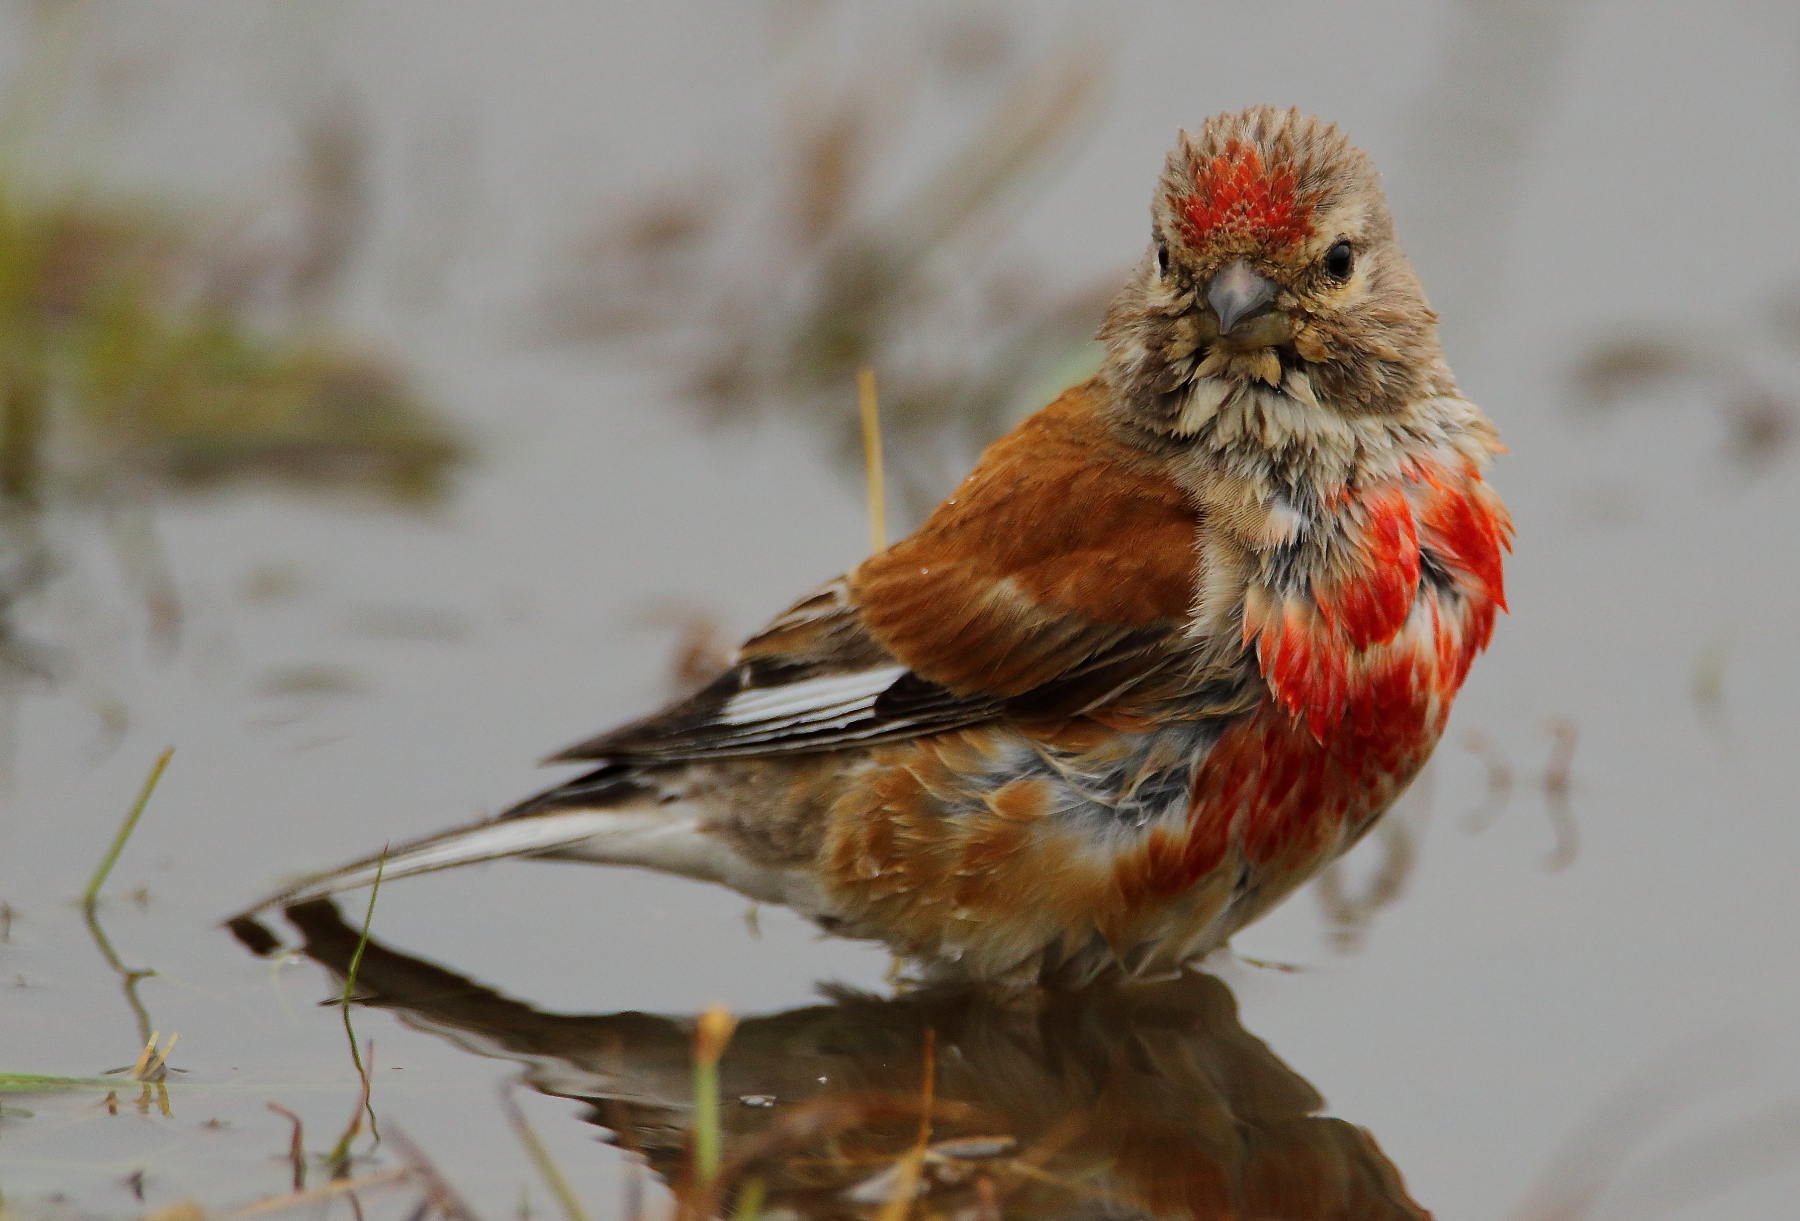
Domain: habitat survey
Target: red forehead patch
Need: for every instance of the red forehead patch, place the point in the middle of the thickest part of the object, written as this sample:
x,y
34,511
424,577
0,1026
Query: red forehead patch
x,y
1234,194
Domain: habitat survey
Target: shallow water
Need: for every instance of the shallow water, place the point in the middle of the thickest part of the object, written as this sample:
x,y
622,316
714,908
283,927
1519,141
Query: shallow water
x,y
1485,1030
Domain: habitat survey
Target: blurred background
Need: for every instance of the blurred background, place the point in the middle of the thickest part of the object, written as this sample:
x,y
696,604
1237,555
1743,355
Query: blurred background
x,y
394,393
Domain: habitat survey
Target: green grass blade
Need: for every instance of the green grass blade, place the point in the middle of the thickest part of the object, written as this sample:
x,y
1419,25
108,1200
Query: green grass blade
x,y
131,819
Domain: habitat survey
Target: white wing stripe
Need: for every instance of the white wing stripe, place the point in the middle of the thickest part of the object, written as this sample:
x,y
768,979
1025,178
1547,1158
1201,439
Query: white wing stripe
x,y
791,729
795,700
757,743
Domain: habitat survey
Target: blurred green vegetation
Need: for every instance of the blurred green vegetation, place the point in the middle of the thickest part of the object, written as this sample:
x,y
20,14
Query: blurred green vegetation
x,y
110,372
152,348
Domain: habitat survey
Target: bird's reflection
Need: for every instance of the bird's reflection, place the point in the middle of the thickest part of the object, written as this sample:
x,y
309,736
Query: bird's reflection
x,y
1141,1101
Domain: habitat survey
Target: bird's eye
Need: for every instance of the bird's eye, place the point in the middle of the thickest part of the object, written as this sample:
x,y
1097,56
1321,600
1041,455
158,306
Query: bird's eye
x,y
1162,258
1339,260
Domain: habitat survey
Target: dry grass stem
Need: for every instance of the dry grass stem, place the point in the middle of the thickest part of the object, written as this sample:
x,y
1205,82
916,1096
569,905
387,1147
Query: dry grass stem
x,y
439,1194
871,437
316,1195
907,1173
539,1154
152,1063
927,1088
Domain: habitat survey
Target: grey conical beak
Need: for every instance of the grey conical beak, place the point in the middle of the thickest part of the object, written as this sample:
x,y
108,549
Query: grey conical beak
x,y
1239,295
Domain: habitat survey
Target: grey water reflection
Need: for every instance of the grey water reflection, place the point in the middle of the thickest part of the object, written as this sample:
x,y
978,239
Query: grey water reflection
x,y
1144,1101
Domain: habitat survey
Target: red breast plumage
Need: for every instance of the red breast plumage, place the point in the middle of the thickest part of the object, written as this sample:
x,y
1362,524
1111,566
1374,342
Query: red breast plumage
x,y
1173,645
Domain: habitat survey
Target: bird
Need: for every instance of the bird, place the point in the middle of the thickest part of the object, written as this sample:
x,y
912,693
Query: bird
x,y
1173,646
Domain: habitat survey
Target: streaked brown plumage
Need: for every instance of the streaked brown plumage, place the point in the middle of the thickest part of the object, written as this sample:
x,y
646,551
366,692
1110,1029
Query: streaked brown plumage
x,y
1173,646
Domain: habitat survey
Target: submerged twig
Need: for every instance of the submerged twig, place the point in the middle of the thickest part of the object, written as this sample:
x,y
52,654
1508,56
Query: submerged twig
x,y
339,1157
1350,915
1397,834
340,1153
1706,687
128,976
296,1144
1499,782
635,1162
910,1168
1557,784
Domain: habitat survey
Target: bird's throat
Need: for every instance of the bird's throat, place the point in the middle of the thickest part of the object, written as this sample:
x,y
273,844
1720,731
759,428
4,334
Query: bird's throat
x,y
1247,382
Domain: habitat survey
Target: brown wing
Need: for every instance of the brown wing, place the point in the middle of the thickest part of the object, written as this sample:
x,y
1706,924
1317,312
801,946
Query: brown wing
x,y
1064,565
1056,582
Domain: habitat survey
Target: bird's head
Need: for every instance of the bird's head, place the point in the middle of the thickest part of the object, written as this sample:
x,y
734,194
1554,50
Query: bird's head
x,y
1272,264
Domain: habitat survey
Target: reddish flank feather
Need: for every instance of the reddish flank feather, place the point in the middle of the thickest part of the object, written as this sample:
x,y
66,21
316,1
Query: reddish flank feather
x,y
1471,527
1370,603
1346,651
